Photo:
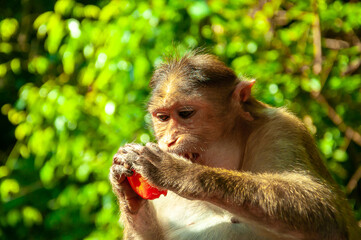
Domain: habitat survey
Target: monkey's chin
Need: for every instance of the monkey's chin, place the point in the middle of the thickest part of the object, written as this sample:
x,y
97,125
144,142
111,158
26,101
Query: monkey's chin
x,y
193,157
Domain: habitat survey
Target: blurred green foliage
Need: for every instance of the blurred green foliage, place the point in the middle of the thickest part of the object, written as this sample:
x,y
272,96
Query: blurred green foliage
x,y
74,83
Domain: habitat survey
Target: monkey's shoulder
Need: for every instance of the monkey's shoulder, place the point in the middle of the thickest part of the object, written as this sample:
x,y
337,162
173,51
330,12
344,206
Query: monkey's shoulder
x,y
181,219
279,142
278,124
280,115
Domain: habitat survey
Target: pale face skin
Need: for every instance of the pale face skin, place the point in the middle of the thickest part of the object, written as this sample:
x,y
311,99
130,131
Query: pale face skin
x,y
185,125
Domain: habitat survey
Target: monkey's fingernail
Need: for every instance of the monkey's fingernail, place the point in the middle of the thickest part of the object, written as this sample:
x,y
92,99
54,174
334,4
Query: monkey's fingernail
x,y
151,145
126,165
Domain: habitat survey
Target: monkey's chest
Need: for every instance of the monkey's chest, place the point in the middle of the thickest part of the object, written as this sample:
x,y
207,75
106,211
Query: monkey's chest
x,y
185,219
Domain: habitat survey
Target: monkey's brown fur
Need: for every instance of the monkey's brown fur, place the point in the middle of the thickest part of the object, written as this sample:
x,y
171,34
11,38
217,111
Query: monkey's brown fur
x,y
235,168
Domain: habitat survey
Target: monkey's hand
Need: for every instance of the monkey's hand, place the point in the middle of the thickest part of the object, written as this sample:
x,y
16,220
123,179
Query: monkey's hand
x,y
129,201
138,215
161,169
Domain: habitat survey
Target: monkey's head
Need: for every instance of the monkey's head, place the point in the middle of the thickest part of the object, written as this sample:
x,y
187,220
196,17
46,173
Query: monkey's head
x,y
195,105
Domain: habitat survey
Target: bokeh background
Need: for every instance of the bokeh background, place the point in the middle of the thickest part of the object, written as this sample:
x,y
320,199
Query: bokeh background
x,y
74,83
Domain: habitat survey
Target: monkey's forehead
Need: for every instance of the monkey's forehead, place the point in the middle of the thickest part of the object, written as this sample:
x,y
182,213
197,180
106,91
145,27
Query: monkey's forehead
x,y
178,88
176,100
174,83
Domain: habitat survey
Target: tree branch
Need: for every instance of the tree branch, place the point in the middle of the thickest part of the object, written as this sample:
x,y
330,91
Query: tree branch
x,y
353,181
336,44
349,132
354,65
316,33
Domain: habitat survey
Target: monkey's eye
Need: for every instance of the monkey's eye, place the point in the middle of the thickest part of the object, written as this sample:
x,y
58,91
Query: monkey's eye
x,y
162,117
186,114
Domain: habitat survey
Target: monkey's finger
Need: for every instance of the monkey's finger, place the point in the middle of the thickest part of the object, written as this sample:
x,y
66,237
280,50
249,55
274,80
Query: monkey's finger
x,y
118,157
125,160
132,200
116,179
154,148
128,173
119,171
133,147
152,153
127,153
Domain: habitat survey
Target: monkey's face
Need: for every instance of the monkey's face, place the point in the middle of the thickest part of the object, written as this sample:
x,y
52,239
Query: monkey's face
x,y
185,125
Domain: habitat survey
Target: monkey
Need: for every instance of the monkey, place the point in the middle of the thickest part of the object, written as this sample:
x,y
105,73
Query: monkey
x,y
234,167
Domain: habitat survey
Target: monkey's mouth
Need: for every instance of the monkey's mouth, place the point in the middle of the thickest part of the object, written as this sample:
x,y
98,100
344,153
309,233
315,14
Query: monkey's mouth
x,y
192,156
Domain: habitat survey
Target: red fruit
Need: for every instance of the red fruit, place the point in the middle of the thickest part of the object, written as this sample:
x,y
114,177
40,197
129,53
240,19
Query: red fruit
x,y
143,188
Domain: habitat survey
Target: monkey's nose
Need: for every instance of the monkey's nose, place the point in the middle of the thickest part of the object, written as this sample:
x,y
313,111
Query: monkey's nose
x,y
171,143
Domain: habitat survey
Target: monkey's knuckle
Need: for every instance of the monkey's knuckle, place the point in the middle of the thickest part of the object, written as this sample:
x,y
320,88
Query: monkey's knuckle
x,y
124,158
141,165
131,158
125,149
133,147
154,148
138,162
144,151
122,150
117,158
115,170
138,147
152,155
152,145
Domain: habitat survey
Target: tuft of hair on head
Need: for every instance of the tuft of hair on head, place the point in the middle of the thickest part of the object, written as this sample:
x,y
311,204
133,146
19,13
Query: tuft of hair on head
x,y
193,71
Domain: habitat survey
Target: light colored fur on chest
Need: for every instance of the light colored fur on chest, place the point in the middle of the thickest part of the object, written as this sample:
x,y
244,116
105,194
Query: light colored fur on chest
x,y
185,219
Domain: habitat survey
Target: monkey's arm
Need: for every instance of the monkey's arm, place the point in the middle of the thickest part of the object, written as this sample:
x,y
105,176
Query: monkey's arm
x,y
139,224
142,225
287,203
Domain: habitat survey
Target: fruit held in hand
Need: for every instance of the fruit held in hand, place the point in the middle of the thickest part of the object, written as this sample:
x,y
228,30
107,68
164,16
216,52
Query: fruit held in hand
x,y
143,188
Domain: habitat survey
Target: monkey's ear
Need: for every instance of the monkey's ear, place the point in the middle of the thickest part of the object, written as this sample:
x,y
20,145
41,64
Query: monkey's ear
x,y
241,94
243,90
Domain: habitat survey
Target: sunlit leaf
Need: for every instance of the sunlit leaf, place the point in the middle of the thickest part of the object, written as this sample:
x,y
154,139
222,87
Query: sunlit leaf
x,y
74,85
